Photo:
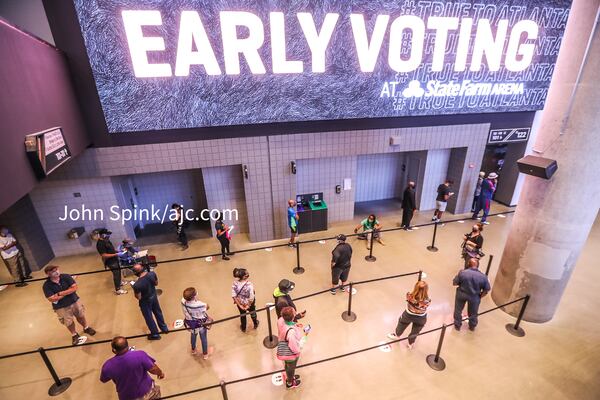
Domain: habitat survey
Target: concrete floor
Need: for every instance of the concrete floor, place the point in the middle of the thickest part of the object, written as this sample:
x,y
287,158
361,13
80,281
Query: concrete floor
x,y
556,360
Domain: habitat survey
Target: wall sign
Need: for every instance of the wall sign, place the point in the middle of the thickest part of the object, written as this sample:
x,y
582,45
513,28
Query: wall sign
x,y
47,150
198,63
508,135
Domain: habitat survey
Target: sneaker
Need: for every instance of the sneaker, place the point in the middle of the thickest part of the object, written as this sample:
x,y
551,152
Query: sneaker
x,y
485,223
393,336
472,328
381,242
457,328
90,331
153,337
205,356
183,248
226,258
242,329
409,346
332,291
75,339
230,254
434,219
256,323
295,383
121,291
194,352
28,277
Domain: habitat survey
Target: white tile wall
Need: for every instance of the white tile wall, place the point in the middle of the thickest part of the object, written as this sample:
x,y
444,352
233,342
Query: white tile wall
x,y
436,170
322,175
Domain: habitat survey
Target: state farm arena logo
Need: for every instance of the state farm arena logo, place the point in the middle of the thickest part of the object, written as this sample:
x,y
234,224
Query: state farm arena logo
x,y
465,88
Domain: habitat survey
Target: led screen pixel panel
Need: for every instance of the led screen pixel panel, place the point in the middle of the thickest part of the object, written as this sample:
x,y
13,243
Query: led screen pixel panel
x,y
199,63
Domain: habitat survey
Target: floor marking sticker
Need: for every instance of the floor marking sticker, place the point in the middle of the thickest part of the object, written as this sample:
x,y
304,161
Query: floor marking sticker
x,y
277,379
501,216
268,249
321,242
208,259
386,348
81,340
178,324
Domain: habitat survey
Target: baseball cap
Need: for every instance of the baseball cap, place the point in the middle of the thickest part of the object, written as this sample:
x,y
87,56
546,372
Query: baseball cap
x,y
104,231
286,285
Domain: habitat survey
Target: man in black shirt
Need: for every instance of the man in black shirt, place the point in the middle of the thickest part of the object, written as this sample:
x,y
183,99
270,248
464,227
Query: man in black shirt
x,y
110,258
340,263
472,286
409,206
180,225
60,290
441,201
145,291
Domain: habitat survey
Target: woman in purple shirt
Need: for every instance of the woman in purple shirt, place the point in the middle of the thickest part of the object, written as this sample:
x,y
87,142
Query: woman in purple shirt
x,y
129,369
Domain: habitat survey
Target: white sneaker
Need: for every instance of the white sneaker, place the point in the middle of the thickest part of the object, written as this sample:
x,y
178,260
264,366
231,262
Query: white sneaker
x,y
121,291
392,336
434,219
485,223
409,346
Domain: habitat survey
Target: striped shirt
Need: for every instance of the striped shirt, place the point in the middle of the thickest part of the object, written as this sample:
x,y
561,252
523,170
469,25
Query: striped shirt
x,y
415,307
194,309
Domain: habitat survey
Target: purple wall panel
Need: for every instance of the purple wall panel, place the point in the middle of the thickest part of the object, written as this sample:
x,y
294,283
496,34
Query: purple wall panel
x,y
36,94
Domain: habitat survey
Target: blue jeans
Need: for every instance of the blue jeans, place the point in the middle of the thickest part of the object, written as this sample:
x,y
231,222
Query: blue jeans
x,y
483,203
150,307
472,308
203,339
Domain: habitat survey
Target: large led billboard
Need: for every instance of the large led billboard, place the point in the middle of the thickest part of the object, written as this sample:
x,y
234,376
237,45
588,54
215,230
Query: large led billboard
x,y
199,63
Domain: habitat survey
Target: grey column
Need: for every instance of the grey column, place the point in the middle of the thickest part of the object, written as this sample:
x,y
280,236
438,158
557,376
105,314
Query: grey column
x,y
554,216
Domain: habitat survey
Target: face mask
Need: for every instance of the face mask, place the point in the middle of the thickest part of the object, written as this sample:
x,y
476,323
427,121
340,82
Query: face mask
x,y
4,232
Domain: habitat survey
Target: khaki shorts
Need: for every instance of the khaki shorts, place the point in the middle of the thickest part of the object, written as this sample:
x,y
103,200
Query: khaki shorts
x,y
441,205
66,315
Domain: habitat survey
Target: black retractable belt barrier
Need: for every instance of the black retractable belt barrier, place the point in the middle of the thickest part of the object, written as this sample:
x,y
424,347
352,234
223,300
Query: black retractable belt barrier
x,y
434,360
349,316
270,341
298,269
223,390
371,257
432,247
59,385
515,329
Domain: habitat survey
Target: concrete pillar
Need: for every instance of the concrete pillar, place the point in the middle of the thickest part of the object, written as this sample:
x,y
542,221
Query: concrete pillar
x,y
554,217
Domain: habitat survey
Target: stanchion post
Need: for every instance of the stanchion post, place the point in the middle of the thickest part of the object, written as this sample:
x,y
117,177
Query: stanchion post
x,y
515,329
371,257
487,270
432,247
349,316
270,342
223,390
434,360
59,385
420,276
298,269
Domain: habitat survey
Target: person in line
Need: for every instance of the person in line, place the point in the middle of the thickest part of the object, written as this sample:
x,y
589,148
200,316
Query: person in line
x,y
282,298
441,201
244,297
180,222
472,244
473,285
417,302
409,206
370,226
129,369
195,316
293,218
223,236
110,257
61,291
294,337
477,190
341,257
145,291
488,187
13,257
127,252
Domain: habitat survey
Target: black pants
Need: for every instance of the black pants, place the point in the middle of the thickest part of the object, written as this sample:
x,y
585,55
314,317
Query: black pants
x,y
472,308
251,309
116,273
475,200
181,236
418,322
290,369
407,215
224,244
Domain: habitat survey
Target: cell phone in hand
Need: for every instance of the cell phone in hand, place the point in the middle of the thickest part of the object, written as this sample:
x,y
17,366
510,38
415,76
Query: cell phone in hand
x,y
307,329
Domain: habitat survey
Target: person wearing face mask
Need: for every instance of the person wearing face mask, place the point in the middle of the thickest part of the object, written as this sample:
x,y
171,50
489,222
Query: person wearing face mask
x,y
488,187
477,190
129,369
145,291
13,257
472,244
127,252
341,257
244,297
60,290
409,206
370,226
110,257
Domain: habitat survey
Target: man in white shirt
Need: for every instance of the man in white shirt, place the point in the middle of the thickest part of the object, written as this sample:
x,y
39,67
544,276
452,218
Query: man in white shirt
x,y
12,257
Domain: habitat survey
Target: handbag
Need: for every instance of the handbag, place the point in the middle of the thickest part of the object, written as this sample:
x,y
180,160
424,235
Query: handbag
x,y
283,349
197,323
